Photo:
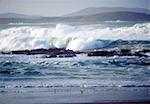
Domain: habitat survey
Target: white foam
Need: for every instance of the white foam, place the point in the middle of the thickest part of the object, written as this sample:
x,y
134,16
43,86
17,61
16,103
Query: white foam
x,y
80,44
117,21
77,38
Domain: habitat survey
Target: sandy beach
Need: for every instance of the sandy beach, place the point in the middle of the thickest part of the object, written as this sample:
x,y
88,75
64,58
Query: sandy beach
x,y
77,95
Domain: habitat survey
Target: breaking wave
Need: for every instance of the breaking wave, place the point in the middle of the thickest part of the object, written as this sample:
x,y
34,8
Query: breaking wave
x,y
76,38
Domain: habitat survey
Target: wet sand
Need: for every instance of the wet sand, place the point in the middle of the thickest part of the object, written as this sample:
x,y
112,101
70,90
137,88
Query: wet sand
x,y
76,95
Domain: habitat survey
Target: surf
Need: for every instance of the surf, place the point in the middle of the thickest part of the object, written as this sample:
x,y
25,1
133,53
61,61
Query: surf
x,y
71,37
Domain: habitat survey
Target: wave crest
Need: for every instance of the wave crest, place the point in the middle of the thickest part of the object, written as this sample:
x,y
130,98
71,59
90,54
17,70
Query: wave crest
x,y
75,38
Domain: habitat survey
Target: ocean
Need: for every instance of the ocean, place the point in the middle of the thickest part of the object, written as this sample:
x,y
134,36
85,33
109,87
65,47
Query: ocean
x,y
79,78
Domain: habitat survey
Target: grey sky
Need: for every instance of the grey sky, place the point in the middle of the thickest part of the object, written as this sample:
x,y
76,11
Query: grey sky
x,y
61,7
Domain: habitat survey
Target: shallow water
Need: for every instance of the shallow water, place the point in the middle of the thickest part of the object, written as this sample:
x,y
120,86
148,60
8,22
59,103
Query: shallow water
x,y
22,71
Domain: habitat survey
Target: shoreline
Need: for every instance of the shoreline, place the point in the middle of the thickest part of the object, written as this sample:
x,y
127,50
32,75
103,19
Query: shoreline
x,y
78,95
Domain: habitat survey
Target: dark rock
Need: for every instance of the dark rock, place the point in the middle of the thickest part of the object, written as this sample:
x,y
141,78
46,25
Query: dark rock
x,y
139,54
20,52
145,51
50,51
112,53
122,52
102,53
61,52
46,51
66,55
98,53
37,51
125,52
5,52
59,55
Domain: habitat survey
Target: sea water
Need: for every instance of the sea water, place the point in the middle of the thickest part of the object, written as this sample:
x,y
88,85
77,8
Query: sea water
x,y
33,73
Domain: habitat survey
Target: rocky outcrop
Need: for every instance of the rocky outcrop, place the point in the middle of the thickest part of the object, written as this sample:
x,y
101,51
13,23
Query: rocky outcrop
x,y
43,51
121,52
61,52
102,53
48,53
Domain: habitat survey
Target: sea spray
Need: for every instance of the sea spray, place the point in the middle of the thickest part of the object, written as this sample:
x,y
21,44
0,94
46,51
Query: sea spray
x,y
71,37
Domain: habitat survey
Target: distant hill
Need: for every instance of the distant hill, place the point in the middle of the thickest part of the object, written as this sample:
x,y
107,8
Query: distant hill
x,y
109,16
112,16
98,10
16,15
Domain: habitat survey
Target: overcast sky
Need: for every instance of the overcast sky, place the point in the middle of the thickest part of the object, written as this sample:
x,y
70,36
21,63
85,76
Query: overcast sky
x,y
61,7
